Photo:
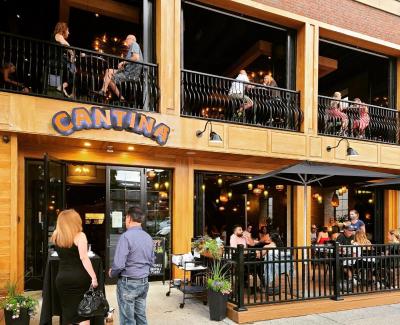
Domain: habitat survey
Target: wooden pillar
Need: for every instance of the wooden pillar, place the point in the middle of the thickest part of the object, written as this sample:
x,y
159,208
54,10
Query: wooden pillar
x,y
183,202
391,212
301,226
168,49
307,75
8,210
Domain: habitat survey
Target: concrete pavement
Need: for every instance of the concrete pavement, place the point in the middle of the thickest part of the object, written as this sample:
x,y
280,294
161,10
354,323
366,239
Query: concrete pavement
x,y
162,310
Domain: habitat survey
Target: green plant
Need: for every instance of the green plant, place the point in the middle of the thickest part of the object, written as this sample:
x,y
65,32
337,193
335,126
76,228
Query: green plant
x,y
217,279
14,302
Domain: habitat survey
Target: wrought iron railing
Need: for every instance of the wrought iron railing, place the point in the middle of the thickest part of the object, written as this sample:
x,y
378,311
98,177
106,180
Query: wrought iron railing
x,y
41,68
275,275
211,97
358,120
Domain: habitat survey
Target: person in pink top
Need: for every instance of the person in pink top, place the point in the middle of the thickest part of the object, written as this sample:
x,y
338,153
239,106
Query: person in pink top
x,y
362,123
238,238
336,111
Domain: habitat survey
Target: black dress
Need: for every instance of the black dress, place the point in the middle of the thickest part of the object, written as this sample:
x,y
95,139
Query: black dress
x,y
72,282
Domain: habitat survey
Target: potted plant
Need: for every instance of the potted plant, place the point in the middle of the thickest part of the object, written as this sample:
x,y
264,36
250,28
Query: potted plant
x,y
17,308
218,284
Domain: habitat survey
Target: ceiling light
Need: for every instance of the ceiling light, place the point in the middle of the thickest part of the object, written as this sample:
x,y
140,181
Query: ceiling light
x,y
87,144
213,137
97,15
131,148
190,153
110,149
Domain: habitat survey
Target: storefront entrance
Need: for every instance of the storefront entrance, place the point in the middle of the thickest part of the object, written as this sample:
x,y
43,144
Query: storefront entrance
x,y
101,194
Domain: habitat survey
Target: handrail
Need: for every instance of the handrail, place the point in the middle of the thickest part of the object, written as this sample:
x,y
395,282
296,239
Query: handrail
x,y
358,120
44,68
219,98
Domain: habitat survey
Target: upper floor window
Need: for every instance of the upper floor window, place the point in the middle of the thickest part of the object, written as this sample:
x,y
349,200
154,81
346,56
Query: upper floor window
x,y
355,73
221,43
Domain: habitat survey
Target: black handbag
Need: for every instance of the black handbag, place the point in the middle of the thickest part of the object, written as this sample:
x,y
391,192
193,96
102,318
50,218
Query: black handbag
x,y
94,303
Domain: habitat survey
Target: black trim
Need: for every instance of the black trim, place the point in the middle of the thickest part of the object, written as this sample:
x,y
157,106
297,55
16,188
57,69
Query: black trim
x,y
354,48
236,15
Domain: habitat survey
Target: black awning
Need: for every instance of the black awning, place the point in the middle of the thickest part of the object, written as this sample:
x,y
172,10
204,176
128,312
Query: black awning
x,y
318,174
388,184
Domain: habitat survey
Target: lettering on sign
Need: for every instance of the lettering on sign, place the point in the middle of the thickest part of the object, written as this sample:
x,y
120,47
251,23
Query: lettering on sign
x,y
115,118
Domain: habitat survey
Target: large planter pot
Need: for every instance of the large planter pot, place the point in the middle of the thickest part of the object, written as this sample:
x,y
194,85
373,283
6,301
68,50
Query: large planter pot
x,y
23,318
217,305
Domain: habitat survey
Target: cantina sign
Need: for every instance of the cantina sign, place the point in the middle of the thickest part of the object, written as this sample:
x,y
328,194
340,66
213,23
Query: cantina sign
x,y
116,119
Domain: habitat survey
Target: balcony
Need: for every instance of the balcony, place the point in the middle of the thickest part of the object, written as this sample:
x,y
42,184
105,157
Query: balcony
x,y
358,120
208,96
40,68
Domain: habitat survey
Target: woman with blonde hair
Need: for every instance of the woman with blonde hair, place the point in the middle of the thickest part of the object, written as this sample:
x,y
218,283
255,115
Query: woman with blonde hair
x,y
75,273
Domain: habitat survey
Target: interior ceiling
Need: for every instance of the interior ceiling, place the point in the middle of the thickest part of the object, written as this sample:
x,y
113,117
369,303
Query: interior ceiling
x,y
213,41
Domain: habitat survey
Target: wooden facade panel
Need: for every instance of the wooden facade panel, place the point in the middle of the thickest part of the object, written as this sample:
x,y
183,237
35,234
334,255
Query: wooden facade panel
x,y
288,143
367,152
247,139
315,147
390,155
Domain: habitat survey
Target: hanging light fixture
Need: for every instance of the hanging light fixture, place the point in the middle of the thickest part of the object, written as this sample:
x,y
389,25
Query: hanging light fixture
x,y
229,195
257,191
219,181
223,197
335,200
250,186
265,193
280,187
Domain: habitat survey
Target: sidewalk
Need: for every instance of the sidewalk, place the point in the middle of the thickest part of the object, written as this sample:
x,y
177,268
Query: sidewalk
x,y
162,310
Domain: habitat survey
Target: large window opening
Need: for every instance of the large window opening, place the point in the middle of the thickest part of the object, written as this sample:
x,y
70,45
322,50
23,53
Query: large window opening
x,y
354,73
218,208
222,44
331,206
102,29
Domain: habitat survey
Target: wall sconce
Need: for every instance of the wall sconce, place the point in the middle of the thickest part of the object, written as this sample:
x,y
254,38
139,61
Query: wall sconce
x,y
214,137
349,151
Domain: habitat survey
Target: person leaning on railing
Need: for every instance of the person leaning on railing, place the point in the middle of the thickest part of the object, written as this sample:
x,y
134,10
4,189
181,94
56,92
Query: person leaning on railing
x,y
61,34
7,81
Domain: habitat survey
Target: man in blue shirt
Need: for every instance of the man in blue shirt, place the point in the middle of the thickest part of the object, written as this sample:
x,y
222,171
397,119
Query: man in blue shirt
x,y
355,221
133,258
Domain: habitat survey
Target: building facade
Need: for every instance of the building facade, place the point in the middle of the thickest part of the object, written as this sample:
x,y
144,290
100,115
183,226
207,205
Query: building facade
x,y
150,145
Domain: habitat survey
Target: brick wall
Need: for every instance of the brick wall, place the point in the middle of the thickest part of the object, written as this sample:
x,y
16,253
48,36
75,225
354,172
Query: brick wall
x,y
347,14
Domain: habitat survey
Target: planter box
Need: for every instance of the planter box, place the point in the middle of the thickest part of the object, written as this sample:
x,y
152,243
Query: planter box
x,y
23,318
217,305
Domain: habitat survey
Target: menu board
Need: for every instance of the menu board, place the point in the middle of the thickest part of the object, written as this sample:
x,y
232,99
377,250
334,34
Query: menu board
x,y
158,267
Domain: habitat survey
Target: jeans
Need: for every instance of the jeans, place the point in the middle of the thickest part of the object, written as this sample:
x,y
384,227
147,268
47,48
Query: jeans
x,y
131,295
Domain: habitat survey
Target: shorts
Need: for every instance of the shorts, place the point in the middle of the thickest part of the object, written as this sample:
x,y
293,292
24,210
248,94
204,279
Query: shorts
x,y
246,99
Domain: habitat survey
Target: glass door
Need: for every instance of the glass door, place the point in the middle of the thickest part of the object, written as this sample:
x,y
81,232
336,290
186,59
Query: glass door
x,y
54,200
124,190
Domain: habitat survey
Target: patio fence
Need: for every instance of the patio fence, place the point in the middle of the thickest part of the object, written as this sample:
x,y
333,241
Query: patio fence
x,y
383,123
208,96
42,67
277,275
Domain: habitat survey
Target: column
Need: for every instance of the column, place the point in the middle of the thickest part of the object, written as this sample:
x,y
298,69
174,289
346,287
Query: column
x,y
168,47
307,75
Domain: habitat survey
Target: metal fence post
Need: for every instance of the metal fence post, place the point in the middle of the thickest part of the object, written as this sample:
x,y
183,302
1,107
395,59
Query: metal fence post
x,y
336,274
240,278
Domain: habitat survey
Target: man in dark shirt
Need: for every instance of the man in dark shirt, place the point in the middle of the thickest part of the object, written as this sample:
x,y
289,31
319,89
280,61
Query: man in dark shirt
x,y
133,258
347,237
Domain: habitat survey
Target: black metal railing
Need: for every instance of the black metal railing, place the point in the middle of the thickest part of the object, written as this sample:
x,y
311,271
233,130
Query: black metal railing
x,y
211,97
43,68
275,275
358,120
